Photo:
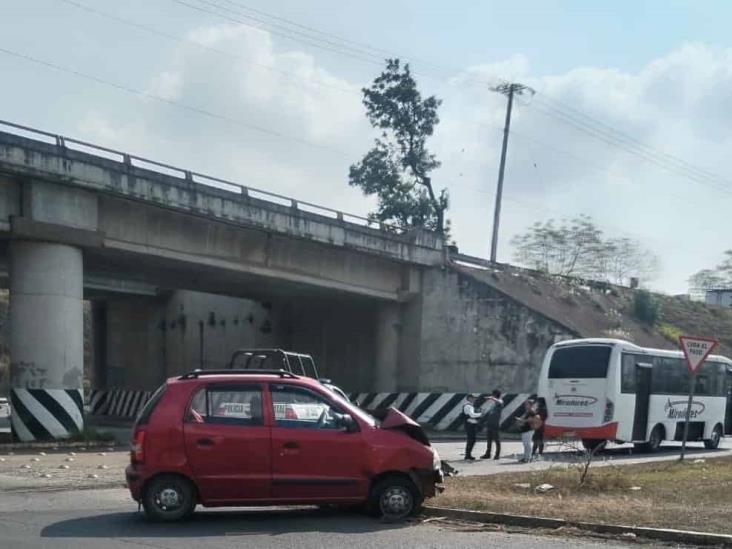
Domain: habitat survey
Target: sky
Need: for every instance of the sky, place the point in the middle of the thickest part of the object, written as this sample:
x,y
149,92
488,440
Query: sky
x,y
629,125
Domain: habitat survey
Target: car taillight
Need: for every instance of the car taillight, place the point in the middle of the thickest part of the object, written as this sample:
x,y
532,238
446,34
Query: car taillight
x,y
137,449
609,411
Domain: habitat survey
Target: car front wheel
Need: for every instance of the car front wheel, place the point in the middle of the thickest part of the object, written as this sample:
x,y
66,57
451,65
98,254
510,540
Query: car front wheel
x,y
395,498
169,498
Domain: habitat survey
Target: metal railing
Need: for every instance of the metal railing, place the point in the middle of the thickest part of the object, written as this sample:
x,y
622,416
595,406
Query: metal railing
x,y
63,141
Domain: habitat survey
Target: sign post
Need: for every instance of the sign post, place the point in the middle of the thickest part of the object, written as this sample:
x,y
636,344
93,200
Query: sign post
x,y
696,350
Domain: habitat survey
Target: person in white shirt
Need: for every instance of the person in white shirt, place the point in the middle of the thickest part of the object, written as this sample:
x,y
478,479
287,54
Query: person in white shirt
x,y
471,425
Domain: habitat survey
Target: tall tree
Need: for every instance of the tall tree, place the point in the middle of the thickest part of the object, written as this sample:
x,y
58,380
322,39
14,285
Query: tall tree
x,y
397,169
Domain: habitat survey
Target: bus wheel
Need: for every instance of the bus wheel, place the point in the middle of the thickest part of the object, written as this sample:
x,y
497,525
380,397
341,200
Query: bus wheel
x,y
654,442
713,443
594,444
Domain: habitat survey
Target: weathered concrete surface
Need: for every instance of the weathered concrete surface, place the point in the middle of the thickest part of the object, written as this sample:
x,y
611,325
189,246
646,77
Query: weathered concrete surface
x,y
149,339
34,159
46,338
475,338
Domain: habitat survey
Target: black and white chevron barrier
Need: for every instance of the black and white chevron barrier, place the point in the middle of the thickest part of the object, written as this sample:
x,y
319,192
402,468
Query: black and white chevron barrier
x,y
438,411
122,403
46,414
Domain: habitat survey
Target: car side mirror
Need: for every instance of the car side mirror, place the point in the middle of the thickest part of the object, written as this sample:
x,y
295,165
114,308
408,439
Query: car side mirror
x,y
348,423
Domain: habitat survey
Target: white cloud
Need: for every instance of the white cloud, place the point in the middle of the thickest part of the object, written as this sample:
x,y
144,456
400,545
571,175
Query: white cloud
x,y
676,103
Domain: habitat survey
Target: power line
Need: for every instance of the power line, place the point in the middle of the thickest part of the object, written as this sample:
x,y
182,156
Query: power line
x,y
628,147
363,45
184,106
182,40
312,41
562,105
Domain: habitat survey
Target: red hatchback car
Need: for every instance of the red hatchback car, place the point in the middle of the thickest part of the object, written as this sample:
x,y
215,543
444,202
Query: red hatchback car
x,y
248,437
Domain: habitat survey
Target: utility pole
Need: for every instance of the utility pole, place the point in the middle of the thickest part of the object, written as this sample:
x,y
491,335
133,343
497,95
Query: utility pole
x,y
509,90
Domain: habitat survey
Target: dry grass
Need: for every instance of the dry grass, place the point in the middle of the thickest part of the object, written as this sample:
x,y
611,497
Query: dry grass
x,y
688,495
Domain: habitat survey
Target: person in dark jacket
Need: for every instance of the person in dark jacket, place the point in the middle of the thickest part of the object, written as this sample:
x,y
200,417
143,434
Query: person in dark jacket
x,y
492,421
542,412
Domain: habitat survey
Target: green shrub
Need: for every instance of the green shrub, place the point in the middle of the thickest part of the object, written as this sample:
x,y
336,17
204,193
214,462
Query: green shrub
x,y
645,307
669,332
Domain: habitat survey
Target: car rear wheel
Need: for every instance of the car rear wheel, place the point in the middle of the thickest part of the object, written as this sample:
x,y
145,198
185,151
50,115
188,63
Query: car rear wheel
x,y
713,443
395,498
169,498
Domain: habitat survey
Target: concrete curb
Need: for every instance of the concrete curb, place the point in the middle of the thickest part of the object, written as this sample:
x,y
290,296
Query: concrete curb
x,y
661,534
60,444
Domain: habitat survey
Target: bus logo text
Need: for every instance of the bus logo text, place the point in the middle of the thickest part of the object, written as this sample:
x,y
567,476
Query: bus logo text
x,y
676,409
578,401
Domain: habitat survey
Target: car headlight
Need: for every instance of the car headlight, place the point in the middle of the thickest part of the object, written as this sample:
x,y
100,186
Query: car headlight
x,y
436,462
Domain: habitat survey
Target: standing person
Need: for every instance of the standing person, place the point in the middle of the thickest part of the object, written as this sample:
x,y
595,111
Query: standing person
x,y
527,433
492,421
471,416
538,438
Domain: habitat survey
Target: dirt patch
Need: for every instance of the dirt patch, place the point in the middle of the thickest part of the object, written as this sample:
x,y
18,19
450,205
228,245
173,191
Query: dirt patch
x,y
693,495
49,469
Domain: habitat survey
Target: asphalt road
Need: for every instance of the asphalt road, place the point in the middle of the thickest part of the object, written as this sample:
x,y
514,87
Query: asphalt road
x,y
558,454
107,519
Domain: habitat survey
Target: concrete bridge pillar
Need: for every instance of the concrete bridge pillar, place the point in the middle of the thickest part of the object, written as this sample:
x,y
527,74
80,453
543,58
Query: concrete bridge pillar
x,y
387,347
46,340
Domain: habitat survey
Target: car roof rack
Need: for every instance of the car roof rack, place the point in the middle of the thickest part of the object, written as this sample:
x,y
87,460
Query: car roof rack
x,y
236,372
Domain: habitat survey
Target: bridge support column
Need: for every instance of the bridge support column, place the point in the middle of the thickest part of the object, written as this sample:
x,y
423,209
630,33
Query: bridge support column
x,y
46,340
387,347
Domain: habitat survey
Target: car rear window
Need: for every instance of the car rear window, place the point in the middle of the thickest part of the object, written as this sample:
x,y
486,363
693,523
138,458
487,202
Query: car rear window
x,y
150,405
580,362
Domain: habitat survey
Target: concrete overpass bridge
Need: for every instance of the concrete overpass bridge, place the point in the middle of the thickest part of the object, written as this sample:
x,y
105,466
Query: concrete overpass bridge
x,y
142,241
123,271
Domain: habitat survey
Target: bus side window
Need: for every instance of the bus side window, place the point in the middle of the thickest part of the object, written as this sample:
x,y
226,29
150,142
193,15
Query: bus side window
x,y
627,375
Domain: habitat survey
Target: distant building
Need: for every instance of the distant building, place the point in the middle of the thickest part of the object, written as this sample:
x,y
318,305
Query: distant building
x,y
721,296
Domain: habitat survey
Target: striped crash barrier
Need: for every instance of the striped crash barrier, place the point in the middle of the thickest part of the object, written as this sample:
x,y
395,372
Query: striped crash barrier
x,y
46,414
121,403
438,411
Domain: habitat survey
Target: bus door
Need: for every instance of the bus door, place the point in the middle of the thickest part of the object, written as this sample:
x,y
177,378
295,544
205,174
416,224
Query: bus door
x,y
643,371
728,414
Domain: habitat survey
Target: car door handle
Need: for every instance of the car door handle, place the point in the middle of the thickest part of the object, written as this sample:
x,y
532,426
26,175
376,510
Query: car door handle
x,y
205,442
291,445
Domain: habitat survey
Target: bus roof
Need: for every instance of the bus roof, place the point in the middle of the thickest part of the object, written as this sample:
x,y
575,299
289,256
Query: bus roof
x,y
634,348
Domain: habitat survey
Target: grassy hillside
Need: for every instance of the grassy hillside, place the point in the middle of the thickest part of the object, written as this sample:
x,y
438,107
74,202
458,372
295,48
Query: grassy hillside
x,y
592,309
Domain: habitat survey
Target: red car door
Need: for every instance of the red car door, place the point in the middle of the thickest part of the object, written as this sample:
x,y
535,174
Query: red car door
x,y
312,457
227,443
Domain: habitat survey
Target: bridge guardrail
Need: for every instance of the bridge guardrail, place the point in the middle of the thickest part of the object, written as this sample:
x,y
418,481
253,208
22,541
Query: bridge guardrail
x,y
63,141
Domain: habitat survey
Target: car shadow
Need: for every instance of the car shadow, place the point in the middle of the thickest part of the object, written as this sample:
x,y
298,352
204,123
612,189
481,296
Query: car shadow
x,y
208,523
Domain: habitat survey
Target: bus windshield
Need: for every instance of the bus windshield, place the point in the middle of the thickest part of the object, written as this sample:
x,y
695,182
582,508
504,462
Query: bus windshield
x,y
580,362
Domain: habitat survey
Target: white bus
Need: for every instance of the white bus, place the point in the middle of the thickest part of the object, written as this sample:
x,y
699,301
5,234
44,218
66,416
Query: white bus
x,y
601,390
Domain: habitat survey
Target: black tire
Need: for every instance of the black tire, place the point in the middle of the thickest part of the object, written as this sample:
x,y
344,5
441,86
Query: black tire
x,y
395,497
654,441
594,444
713,443
168,498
